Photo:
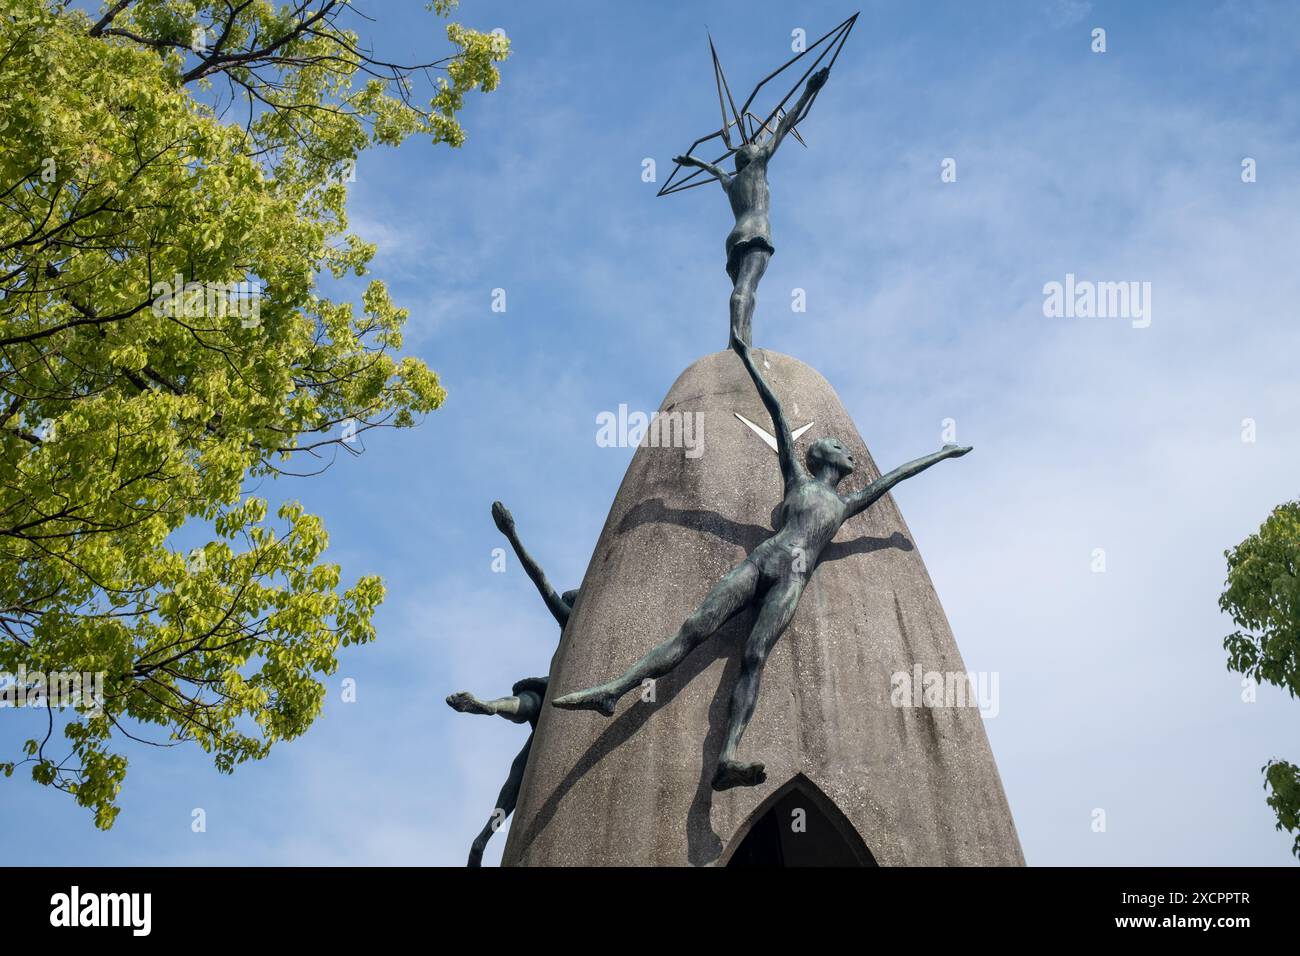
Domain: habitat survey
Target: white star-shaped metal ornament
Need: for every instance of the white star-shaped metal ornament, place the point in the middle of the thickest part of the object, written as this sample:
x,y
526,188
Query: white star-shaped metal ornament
x,y
770,440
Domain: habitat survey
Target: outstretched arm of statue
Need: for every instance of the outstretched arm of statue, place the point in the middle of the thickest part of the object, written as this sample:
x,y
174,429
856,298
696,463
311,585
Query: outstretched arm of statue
x,y
716,171
792,468
505,523
862,500
793,116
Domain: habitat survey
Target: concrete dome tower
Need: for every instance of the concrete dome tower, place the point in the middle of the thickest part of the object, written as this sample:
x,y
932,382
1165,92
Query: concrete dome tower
x,y
855,776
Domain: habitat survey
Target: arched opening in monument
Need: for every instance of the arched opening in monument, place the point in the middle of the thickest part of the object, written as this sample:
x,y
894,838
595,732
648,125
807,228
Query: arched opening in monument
x,y
798,826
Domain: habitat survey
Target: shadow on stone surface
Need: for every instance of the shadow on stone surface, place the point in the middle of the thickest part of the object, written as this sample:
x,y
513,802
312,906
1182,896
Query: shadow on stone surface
x,y
727,643
746,536
704,845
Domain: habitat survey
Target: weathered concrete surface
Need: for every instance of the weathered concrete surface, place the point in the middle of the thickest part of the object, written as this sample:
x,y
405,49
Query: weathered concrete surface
x,y
918,784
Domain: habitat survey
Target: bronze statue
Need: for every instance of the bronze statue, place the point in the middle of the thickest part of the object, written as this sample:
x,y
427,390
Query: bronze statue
x,y
749,244
773,576
524,705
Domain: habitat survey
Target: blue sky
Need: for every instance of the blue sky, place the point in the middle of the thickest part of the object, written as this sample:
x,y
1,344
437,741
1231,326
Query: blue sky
x,y
924,302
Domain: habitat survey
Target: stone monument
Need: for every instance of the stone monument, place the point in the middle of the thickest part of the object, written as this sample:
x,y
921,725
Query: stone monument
x,y
642,770
872,782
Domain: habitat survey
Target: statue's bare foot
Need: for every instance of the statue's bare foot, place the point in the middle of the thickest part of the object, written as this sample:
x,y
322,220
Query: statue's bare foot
x,y
599,699
733,773
467,703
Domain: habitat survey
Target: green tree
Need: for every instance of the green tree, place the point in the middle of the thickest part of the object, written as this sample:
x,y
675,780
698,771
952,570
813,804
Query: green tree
x,y
173,177
1263,598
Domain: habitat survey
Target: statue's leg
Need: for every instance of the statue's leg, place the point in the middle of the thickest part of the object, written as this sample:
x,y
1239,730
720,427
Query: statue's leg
x,y
779,605
744,293
508,707
734,591
506,801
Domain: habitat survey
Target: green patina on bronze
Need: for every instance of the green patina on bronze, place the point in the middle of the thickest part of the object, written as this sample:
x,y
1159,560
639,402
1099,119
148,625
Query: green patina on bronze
x,y
524,705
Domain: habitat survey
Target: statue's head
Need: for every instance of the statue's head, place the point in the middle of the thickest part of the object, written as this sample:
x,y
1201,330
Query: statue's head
x,y
569,598
830,452
747,154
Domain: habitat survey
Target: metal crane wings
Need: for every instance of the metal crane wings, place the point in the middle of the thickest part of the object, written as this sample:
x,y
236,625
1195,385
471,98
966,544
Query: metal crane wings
x,y
829,44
